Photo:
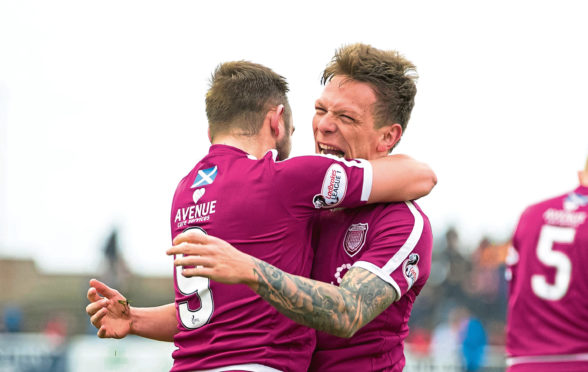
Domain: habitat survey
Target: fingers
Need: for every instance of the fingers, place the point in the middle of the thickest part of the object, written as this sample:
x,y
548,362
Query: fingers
x,y
96,319
94,307
101,333
188,249
193,261
92,295
195,236
103,289
198,271
193,242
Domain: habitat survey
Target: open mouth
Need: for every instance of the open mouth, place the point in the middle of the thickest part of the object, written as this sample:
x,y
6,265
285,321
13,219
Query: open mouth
x,y
330,150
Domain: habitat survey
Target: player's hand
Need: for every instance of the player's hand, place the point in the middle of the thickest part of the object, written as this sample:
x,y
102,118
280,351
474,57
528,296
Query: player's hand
x,y
109,311
211,257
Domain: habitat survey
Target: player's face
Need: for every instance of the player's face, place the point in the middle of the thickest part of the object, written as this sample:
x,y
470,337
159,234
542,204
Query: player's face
x,y
343,122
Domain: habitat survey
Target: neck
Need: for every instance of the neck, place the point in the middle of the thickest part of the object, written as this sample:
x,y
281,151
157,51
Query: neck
x,y
253,145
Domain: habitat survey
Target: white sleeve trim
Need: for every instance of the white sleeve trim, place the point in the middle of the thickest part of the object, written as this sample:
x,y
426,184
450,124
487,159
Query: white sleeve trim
x,y
511,361
368,179
380,274
402,254
409,244
252,367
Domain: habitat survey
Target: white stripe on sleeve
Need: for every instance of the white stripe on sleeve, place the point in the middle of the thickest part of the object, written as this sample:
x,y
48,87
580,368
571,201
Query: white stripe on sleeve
x,y
402,254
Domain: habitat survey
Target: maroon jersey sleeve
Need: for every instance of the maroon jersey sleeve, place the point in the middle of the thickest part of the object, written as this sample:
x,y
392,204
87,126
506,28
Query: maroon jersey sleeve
x,y
307,183
400,252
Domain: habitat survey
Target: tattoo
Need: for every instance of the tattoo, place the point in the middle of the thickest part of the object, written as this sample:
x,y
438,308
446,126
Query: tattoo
x,y
337,310
125,304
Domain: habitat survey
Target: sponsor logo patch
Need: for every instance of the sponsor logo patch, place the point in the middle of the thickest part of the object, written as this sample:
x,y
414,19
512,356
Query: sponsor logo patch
x,y
205,177
198,213
410,269
197,195
334,188
354,238
564,218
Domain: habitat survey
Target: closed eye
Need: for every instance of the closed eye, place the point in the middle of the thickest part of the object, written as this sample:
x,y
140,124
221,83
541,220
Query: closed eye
x,y
348,118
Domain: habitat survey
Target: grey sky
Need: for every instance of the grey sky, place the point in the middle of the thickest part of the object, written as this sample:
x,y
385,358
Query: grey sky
x,y
102,108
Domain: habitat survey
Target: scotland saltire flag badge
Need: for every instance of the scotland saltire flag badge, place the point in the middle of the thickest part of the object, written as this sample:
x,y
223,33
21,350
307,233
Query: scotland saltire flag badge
x,y
574,201
205,177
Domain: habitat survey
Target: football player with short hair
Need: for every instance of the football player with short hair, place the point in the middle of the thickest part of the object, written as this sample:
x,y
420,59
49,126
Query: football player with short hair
x,y
547,318
371,262
246,193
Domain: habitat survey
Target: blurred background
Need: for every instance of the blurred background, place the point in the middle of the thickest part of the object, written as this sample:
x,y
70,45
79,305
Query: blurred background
x,y
102,113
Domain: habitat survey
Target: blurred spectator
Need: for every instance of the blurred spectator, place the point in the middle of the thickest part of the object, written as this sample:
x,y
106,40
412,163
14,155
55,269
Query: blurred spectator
x,y
473,345
451,270
446,338
459,268
56,328
460,341
486,286
116,272
12,319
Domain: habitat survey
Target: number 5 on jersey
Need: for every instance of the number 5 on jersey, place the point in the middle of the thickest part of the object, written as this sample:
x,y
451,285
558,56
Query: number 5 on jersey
x,y
559,260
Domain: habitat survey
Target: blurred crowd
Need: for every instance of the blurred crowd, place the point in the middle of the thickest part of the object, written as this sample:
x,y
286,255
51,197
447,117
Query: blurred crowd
x,y
460,312
462,309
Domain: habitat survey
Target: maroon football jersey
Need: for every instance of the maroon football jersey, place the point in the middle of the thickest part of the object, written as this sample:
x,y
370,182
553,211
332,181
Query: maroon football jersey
x,y
263,207
547,321
394,242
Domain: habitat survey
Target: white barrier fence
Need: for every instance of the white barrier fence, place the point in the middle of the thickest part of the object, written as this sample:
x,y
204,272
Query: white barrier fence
x,y
40,353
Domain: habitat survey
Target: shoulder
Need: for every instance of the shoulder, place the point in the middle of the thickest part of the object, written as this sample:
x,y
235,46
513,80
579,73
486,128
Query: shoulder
x,y
399,224
537,209
400,213
320,161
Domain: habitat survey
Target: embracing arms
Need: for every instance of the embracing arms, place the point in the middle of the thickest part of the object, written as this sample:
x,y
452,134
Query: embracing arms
x,y
399,178
341,310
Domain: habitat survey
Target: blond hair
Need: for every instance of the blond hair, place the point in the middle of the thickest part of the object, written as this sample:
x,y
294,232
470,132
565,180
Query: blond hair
x,y
391,76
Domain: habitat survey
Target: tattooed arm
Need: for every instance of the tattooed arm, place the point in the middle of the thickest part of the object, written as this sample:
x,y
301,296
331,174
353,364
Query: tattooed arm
x,y
340,311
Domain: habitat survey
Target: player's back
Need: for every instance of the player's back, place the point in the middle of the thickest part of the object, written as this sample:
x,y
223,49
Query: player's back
x,y
547,319
264,208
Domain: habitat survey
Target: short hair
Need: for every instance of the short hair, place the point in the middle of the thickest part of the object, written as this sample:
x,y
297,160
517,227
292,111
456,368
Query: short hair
x,y
390,75
240,95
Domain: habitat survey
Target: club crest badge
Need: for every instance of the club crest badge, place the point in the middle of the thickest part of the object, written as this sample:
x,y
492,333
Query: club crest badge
x,y
355,238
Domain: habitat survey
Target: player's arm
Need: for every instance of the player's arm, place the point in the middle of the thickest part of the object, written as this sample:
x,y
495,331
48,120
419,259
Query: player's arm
x,y
112,315
340,311
399,178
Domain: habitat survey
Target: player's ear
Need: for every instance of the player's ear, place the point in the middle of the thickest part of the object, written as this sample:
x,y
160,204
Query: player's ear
x,y
583,178
209,137
275,118
389,135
